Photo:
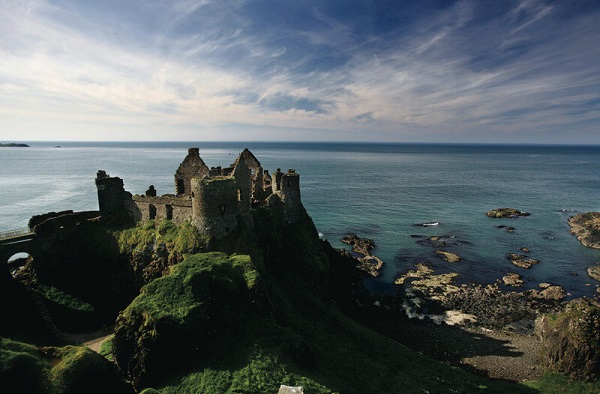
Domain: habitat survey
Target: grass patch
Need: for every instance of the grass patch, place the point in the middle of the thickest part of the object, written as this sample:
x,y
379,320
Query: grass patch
x,y
106,349
49,370
559,383
183,238
58,296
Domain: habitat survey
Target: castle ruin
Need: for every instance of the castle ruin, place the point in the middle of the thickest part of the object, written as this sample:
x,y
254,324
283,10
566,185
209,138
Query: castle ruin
x,y
215,200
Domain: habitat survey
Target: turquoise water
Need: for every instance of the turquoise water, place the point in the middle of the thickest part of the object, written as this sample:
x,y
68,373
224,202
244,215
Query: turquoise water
x,y
376,191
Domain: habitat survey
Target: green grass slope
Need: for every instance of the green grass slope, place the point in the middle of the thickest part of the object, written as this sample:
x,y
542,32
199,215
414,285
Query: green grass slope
x,y
298,340
50,370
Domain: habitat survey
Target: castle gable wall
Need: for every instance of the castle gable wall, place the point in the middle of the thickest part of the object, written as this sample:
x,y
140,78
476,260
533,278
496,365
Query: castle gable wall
x,y
191,167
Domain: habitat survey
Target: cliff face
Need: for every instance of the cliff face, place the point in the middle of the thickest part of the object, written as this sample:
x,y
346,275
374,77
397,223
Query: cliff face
x,y
571,340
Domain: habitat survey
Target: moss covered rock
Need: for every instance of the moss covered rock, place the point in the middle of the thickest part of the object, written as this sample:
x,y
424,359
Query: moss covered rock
x,y
184,317
73,369
571,340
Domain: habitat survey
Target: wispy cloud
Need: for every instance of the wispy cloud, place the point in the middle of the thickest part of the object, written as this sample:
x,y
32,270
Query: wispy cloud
x,y
473,71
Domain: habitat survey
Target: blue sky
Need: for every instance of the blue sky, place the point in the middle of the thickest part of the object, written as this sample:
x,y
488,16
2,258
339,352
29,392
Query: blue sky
x,y
404,71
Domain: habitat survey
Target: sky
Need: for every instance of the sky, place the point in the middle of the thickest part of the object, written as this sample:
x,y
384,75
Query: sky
x,y
510,71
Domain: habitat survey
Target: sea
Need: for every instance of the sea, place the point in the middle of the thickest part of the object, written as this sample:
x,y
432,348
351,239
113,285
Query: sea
x,y
395,194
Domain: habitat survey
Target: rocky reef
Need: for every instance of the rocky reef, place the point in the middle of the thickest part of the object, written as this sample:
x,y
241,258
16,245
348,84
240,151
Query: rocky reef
x,y
586,227
368,263
506,213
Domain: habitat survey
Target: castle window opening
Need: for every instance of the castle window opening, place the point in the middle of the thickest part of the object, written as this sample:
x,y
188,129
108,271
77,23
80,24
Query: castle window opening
x,y
180,186
239,194
169,210
151,212
222,209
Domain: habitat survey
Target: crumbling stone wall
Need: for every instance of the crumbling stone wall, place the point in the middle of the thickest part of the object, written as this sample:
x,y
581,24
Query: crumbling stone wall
x,y
68,220
170,207
243,181
37,219
191,167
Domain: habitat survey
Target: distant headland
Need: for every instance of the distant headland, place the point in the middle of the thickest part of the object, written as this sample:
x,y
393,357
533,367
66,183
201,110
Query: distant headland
x,y
13,145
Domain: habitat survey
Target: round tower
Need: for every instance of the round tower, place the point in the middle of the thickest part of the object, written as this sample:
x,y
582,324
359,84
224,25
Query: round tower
x,y
215,205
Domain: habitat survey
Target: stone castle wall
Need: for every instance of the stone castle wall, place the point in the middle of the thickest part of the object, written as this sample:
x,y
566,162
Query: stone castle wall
x,y
169,207
212,199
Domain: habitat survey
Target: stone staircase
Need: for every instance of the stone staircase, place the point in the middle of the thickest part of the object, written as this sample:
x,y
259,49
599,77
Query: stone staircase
x,y
44,313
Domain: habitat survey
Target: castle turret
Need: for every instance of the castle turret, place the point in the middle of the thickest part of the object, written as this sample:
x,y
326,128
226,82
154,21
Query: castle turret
x,y
191,167
215,205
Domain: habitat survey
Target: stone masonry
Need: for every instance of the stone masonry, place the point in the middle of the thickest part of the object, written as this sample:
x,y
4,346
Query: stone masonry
x,y
215,200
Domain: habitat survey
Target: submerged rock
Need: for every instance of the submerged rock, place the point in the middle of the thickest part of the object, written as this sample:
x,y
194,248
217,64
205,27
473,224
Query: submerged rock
x,y
434,287
448,256
506,213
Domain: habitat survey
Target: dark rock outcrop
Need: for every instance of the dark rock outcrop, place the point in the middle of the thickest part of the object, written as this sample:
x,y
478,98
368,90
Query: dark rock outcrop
x,y
362,246
521,260
506,213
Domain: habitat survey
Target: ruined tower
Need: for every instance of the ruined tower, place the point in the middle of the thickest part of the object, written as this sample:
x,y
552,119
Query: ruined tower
x,y
289,193
110,194
215,205
191,167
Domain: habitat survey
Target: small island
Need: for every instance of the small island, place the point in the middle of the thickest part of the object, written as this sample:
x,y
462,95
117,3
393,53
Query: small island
x,y
506,213
13,145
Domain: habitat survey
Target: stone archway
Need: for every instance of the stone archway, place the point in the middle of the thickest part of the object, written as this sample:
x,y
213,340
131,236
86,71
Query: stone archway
x,y
17,261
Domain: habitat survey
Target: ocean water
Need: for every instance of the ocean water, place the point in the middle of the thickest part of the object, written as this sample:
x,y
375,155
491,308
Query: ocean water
x,y
380,191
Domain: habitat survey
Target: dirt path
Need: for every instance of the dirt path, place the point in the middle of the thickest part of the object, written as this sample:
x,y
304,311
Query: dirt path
x,y
93,340
96,343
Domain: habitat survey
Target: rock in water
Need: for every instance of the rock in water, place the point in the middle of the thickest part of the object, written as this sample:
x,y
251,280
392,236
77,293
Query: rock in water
x,y
594,272
571,339
506,213
586,227
368,263
448,256
513,279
